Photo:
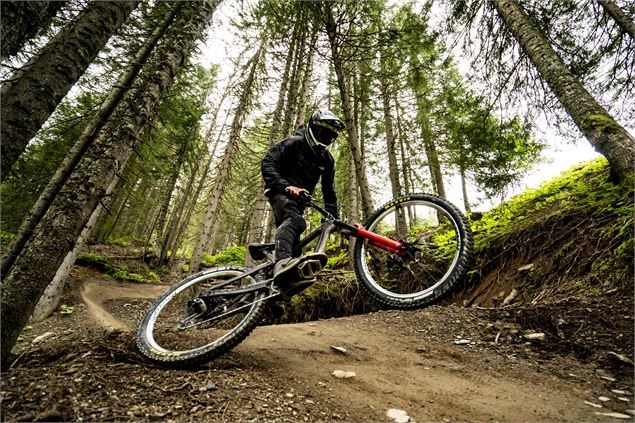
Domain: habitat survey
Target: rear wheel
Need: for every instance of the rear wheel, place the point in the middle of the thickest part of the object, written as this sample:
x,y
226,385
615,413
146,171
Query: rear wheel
x,y
439,247
185,326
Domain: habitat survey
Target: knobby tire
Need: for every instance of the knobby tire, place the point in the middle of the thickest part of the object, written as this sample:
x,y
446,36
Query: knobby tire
x,y
177,357
374,266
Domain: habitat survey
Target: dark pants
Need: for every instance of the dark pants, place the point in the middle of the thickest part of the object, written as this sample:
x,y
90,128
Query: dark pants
x,y
289,223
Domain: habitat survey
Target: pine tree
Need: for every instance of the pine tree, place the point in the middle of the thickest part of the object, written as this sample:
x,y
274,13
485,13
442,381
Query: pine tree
x,y
607,137
85,140
92,180
210,222
22,20
343,82
255,232
33,93
619,16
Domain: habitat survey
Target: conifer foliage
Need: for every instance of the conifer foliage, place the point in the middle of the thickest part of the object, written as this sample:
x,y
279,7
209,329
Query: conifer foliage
x,y
96,174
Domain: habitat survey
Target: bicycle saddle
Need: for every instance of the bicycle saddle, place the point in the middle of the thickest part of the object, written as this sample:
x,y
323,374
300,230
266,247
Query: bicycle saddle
x,y
257,251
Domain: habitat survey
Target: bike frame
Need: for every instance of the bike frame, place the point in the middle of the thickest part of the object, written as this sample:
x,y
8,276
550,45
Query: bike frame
x,y
322,233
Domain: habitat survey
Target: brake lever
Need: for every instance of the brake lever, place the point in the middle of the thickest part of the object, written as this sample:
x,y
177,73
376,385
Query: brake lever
x,y
306,197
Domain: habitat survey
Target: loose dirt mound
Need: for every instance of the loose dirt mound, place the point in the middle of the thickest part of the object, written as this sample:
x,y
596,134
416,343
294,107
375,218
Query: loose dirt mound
x,y
441,363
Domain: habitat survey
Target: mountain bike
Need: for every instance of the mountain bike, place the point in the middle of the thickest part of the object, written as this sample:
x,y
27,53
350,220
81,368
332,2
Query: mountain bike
x,y
410,253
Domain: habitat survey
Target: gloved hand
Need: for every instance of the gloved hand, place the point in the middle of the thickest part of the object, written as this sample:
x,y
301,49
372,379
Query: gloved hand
x,y
333,213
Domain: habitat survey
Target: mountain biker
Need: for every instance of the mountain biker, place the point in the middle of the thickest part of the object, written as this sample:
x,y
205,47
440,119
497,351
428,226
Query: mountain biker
x,y
292,167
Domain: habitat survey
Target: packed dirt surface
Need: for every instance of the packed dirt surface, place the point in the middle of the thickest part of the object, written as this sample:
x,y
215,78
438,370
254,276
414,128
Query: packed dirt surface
x,y
565,362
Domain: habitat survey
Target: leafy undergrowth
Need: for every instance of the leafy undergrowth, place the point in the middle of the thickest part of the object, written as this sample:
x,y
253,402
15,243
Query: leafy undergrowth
x,y
570,238
335,294
116,271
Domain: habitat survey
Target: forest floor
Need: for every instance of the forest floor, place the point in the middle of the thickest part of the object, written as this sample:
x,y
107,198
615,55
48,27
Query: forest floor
x,y
442,363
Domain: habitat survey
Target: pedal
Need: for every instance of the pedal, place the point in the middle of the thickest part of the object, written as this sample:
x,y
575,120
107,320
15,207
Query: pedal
x,y
308,269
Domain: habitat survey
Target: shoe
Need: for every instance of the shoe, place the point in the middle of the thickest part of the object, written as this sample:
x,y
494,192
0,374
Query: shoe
x,y
285,271
293,275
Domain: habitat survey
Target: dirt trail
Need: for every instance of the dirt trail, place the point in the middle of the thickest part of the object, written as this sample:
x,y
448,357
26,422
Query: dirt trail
x,y
391,373
95,292
435,364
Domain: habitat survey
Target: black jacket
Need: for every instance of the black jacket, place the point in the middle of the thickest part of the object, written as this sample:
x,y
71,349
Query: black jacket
x,y
292,162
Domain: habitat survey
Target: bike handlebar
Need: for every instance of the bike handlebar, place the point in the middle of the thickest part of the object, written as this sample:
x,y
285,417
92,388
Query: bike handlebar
x,y
308,199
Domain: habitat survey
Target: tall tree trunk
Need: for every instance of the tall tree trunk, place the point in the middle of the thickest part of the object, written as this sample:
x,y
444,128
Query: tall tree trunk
x,y
347,108
172,241
466,201
619,16
351,201
290,112
170,186
85,140
57,232
104,234
208,231
405,163
306,79
393,167
177,214
171,231
352,190
148,230
166,234
256,232
32,94
271,226
434,164
204,174
51,296
21,22
607,137
423,118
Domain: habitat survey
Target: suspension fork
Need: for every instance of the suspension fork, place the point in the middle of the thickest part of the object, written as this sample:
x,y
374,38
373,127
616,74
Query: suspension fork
x,y
376,240
380,241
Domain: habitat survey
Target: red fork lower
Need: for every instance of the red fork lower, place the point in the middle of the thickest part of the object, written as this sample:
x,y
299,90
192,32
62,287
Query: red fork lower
x,y
380,241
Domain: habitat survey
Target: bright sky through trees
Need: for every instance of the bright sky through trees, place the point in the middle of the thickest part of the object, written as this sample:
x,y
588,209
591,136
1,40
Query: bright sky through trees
x,y
220,48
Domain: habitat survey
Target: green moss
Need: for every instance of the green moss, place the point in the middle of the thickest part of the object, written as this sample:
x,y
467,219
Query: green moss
x,y
109,269
66,310
599,121
338,255
231,256
575,190
334,294
6,237
154,277
579,226
122,241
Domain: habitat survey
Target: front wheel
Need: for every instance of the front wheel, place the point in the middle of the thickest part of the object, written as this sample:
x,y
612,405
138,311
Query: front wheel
x,y
439,247
187,326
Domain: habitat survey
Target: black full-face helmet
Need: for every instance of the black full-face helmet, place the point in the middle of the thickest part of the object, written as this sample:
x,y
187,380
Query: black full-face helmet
x,y
323,129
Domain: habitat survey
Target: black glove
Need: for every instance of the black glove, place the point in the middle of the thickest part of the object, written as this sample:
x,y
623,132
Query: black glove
x,y
331,208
